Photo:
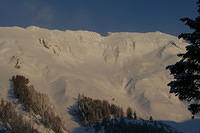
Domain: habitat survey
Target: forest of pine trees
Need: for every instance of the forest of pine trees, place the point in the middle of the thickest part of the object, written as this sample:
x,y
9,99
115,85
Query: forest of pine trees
x,y
109,118
92,110
37,103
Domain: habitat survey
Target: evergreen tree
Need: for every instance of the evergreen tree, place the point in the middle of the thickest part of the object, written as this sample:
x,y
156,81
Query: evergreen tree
x,y
151,118
186,72
135,115
129,113
192,116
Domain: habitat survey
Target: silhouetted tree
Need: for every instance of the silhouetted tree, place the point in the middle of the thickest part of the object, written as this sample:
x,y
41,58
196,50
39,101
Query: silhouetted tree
x,y
129,113
192,116
186,72
151,118
135,115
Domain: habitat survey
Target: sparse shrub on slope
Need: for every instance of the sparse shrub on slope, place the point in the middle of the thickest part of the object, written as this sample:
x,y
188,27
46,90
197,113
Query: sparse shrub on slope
x,y
38,103
13,120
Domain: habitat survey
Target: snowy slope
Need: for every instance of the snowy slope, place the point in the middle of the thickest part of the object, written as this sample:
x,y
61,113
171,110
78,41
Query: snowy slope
x,y
126,67
189,126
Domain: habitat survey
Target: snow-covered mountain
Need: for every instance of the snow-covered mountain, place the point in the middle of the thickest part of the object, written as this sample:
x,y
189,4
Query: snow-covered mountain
x,y
127,69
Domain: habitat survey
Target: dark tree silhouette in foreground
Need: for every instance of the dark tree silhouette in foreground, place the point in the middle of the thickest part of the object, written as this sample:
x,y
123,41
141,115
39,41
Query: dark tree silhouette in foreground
x,y
186,72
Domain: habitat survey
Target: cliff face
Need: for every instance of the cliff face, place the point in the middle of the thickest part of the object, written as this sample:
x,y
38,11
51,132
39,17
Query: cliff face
x,y
126,67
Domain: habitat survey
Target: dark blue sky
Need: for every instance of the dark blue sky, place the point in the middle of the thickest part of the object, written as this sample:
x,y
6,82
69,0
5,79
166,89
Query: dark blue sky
x,y
99,15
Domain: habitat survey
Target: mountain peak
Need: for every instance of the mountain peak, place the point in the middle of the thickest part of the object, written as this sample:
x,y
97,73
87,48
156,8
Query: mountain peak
x,y
128,67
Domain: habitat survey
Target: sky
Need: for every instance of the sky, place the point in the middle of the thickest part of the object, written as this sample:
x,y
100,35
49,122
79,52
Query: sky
x,y
99,15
